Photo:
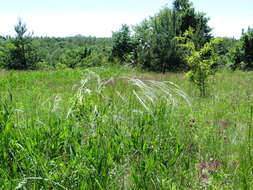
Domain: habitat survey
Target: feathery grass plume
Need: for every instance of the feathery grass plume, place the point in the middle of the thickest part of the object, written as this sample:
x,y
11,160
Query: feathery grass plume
x,y
90,84
150,93
57,101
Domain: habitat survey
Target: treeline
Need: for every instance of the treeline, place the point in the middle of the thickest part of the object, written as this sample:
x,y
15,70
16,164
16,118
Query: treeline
x,y
158,43
25,52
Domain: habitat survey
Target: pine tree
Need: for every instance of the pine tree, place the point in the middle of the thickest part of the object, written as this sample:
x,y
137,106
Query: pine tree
x,y
22,54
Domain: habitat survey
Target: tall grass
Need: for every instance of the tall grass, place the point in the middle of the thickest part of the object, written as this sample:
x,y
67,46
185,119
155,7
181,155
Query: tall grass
x,y
117,128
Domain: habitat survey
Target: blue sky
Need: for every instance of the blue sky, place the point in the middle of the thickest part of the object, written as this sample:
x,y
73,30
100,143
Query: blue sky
x,y
101,17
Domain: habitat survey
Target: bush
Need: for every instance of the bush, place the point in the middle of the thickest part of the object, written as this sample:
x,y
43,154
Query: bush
x,y
94,60
200,63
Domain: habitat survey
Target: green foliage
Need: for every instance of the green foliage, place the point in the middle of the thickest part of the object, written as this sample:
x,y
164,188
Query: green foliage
x,y
72,51
96,59
200,63
4,52
22,54
142,39
152,46
156,48
164,49
156,45
73,57
49,53
121,43
247,45
98,129
236,55
241,54
192,19
223,49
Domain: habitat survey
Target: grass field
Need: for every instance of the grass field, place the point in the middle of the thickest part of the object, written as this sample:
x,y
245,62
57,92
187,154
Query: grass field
x,y
119,128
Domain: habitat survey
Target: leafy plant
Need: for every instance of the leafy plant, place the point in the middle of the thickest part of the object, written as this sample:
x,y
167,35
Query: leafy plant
x,y
200,61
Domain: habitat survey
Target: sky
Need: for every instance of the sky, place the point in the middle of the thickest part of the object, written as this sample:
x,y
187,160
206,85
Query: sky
x,y
60,18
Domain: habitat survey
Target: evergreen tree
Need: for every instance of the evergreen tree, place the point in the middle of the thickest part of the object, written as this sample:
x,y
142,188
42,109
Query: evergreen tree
x,y
247,45
121,43
157,47
22,54
195,20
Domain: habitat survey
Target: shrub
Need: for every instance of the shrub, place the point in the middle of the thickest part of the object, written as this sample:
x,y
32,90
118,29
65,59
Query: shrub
x,y
200,62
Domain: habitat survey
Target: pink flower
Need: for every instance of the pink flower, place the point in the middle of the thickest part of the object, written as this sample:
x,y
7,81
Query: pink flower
x,y
223,123
215,164
211,170
204,176
203,165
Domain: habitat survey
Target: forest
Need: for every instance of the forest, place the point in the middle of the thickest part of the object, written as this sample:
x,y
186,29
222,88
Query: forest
x,y
155,44
163,104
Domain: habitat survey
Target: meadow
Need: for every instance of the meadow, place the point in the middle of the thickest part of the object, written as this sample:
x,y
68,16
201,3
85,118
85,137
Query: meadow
x,y
121,128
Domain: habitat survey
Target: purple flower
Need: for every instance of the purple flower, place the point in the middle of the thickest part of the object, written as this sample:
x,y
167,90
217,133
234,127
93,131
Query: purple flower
x,y
204,176
203,165
215,164
211,170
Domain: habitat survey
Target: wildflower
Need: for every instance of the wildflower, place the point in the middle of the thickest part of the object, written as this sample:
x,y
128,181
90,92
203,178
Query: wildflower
x,y
203,165
211,170
223,123
204,176
215,164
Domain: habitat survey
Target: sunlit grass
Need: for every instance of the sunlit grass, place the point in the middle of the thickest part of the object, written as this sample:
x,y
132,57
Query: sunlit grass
x,y
118,128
